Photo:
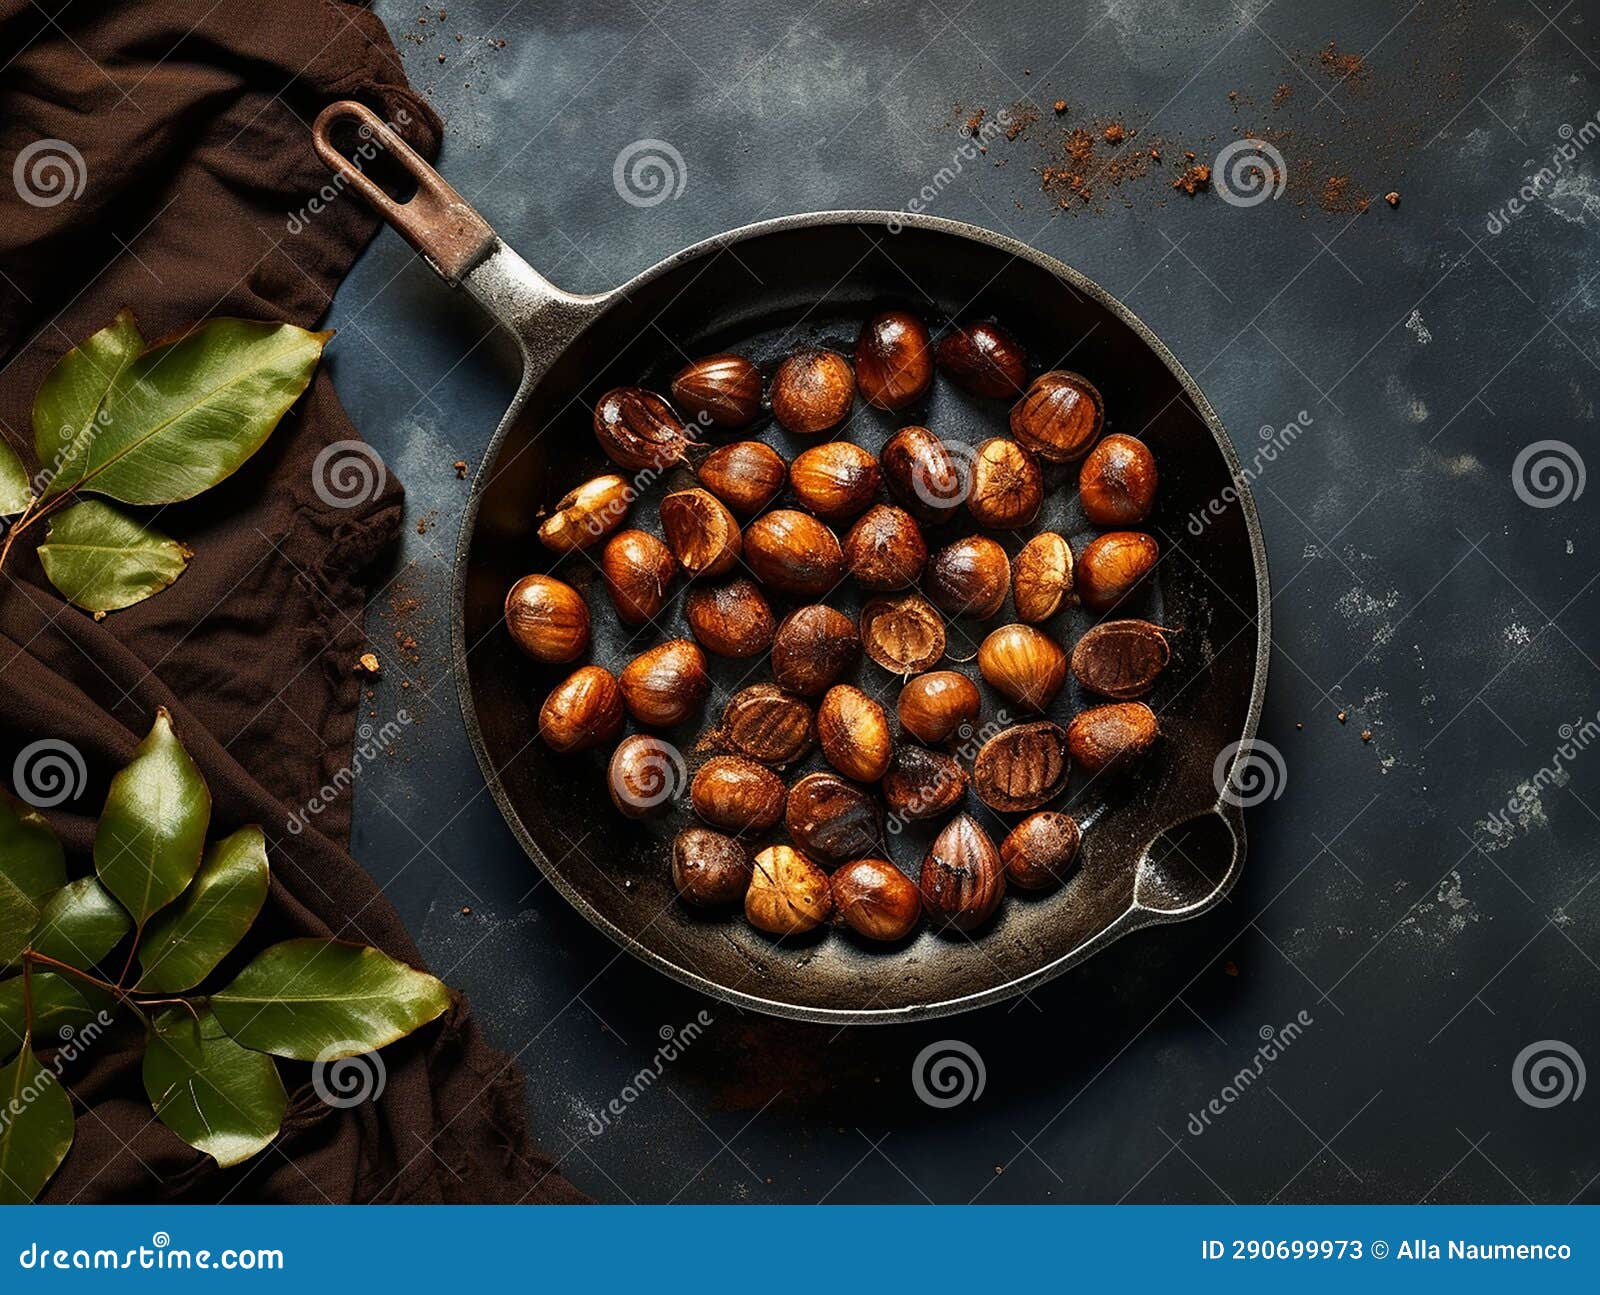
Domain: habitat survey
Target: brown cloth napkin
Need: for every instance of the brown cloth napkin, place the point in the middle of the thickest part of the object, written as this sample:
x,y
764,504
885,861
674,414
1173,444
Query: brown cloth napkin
x,y
191,121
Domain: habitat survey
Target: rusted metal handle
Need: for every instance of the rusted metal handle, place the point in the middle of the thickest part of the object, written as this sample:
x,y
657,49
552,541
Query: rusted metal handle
x,y
437,220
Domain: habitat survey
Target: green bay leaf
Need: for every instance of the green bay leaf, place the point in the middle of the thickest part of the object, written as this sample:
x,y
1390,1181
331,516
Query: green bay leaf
x,y
15,488
220,1098
183,944
80,924
104,559
68,400
37,1133
30,854
18,916
57,1003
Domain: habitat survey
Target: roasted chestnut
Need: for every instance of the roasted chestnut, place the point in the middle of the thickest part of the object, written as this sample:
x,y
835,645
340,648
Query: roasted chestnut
x,y
731,619
923,783
586,515
835,480
812,391
926,476
722,390
548,619
983,359
1026,665
708,868
638,429
1112,566
969,578
833,820
1117,482
746,475
884,549
666,684
894,360
701,532
583,710
903,634
645,776
1022,767
875,899
1111,737
767,724
1007,487
1041,577
794,553
638,570
854,733
1059,416
788,894
812,647
1038,852
1121,659
736,794
938,705
963,879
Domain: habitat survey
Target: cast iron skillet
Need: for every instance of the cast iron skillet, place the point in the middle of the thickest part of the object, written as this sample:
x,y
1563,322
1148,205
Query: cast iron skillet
x,y
1160,845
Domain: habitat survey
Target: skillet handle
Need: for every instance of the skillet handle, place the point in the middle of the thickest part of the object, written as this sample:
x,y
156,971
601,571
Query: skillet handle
x,y
1191,865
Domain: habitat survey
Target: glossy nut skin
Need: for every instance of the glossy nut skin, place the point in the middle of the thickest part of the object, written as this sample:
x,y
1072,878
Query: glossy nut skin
x,y
833,820
1041,577
737,795
638,429
586,515
903,633
922,783
1039,851
812,391
765,723
894,360
548,619
788,894
930,483
1022,767
813,646
876,900
1059,416
1121,659
937,706
1025,664
731,619
584,710
854,733
720,390
1112,566
746,475
970,577
701,532
1112,736
645,776
638,570
835,480
794,553
709,869
1007,486
666,684
1117,482
985,359
963,879
885,550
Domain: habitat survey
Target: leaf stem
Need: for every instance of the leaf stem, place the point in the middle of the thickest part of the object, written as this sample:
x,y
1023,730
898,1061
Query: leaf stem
x,y
29,957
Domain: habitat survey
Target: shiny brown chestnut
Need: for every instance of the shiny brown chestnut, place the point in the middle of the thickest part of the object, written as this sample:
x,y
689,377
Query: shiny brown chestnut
x,y
812,647
903,633
854,733
1121,659
985,359
812,391
1041,577
1117,482
938,705
1059,416
1022,767
963,879
922,783
736,794
701,532
788,894
708,868
731,620
833,820
1038,852
768,724
638,570
928,479
970,577
638,429
1111,737
746,475
876,900
548,619
1007,486
720,390
794,553
645,776
1025,664
894,360
1111,567
582,711
666,684
885,550
586,515
835,480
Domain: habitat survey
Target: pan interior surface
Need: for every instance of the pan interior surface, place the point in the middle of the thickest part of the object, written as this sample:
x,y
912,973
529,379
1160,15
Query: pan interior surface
x,y
763,295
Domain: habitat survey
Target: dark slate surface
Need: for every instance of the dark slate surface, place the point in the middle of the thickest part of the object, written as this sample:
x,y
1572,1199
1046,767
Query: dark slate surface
x,y
1414,588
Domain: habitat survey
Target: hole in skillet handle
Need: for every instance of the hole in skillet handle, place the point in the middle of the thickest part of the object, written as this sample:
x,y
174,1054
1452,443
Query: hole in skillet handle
x,y
1191,865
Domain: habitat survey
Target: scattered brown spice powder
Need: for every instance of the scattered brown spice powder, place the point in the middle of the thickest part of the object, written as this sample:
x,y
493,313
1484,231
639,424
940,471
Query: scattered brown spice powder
x,y
1193,179
1341,67
1114,133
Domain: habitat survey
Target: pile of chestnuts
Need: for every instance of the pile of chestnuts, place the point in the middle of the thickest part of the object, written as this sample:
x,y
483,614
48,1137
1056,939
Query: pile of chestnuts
x,y
760,544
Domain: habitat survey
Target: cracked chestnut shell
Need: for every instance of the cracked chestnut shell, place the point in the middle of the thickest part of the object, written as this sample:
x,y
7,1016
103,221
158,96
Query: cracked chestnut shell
x,y
746,475
1117,482
794,553
548,619
736,794
582,711
894,360
904,634
1113,736
1039,851
731,620
666,684
788,894
1059,416
1111,567
586,514
1041,577
768,724
970,577
929,481
708,868
922,783
938,705
1022,767
638,570
1007,486
835,480
985,359
812,391
963,879
1121,659
701,532
833,820
885,550
813,646
722,390
1025,664
638,429
645,776
876,900
854,733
